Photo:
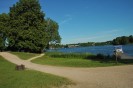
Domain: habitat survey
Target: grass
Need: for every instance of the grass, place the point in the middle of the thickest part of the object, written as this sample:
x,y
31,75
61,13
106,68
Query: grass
x,y
74,60
10,78
68,55
24,55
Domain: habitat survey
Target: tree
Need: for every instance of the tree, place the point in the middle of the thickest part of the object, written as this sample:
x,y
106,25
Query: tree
x,y
27,27
124,40
4,18
131,39
1,44
116,41
52,32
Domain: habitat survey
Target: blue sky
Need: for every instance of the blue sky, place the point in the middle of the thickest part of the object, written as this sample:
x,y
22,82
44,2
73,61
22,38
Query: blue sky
x,y
87,20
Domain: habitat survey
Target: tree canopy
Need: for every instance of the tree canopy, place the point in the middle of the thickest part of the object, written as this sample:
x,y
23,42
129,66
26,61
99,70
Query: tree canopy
x,y
123,40
4,18
27,29
52,31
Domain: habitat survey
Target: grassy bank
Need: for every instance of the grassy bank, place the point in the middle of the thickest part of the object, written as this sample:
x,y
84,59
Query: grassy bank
x,y
75,60
24,55
10,78
68,55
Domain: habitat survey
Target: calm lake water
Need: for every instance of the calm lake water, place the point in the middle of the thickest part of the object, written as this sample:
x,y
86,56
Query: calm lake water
x,y
107,50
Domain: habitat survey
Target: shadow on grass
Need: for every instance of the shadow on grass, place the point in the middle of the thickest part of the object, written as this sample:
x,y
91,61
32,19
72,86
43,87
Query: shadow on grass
x,y
126,61
99,57
108,59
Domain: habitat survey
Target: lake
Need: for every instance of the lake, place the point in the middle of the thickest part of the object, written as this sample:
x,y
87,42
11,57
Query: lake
x,y
106,50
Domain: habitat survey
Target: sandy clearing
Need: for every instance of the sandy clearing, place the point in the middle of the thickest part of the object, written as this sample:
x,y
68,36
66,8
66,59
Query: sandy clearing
x,y
100,77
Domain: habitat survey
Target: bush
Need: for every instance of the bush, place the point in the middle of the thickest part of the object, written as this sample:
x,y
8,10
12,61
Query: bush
x,y
100,56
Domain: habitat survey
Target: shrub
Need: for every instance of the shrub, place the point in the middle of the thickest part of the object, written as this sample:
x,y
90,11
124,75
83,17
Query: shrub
x,y
100,56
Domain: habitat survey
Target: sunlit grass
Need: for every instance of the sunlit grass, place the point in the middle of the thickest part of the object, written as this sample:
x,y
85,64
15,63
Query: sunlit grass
x,y
73,62
10,78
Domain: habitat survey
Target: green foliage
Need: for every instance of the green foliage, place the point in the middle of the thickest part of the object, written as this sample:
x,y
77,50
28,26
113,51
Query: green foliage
x,y
131,39
68,55
27,26
10,78
73,62
1,44
76,60
4,18
117,41
27,29
123,40
4,25
91,44
52,30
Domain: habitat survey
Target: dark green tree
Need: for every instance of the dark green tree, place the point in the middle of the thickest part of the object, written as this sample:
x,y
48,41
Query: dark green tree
x,y
28,30
124,40
53,34
131,39
4,26
1,44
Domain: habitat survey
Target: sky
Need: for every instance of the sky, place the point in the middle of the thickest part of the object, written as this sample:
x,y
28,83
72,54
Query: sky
x,y
86,20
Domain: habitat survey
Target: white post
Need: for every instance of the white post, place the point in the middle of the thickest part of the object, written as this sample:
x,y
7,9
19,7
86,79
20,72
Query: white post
x,y
116,56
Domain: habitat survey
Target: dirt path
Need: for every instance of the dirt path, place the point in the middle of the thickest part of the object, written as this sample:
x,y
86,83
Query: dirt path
x,y
35,57
101,77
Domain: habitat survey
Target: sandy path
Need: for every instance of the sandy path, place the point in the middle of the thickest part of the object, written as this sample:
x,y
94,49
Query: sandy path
x,y
101,77
35,57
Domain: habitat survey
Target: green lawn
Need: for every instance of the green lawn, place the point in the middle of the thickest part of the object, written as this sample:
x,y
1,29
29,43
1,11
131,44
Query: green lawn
x,y
68,60
24,55
72,62
10,78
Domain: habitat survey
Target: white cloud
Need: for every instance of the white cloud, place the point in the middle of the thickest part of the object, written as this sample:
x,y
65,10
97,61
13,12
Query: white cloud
x,y
67,18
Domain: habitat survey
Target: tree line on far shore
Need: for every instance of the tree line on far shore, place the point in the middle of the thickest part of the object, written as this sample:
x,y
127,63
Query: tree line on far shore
x,y
25,28
123,40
